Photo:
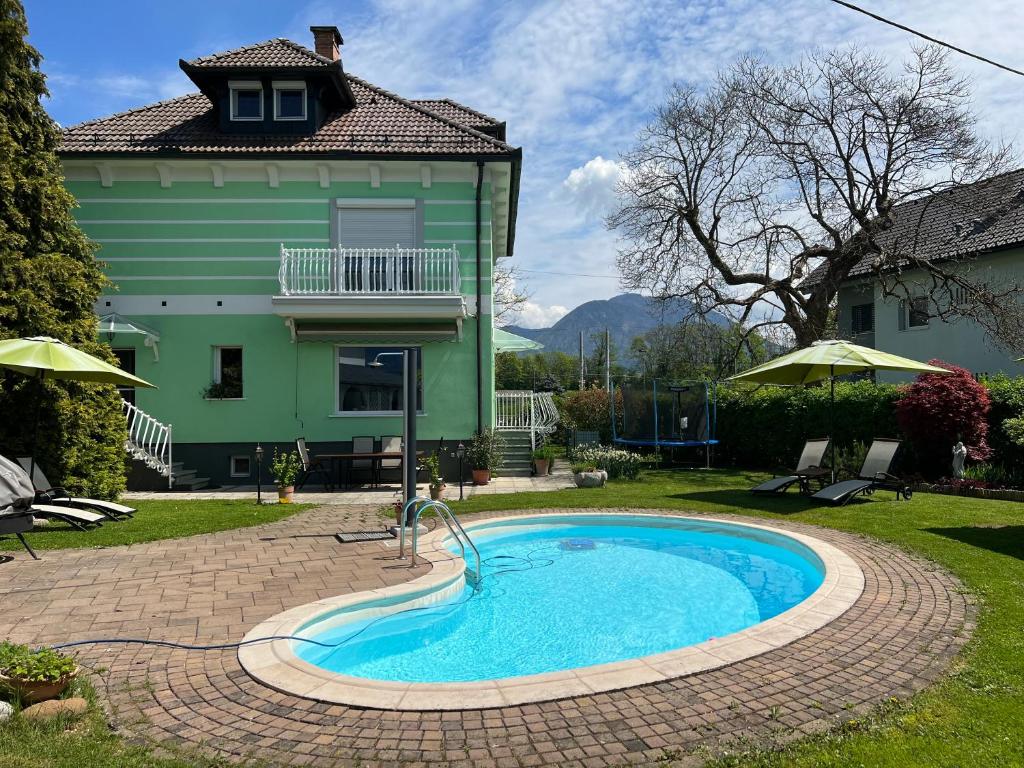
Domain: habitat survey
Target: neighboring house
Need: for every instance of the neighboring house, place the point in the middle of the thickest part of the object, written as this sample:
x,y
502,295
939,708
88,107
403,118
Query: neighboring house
x,y
979,225
270,235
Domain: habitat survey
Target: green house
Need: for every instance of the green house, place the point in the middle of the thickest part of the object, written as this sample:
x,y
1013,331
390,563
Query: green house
x,y
269,236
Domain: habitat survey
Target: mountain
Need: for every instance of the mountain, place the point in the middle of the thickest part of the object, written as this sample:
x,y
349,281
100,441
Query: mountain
x,y
627,315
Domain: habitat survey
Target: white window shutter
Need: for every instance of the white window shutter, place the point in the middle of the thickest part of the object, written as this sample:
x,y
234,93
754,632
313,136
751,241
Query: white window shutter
x,y
377,227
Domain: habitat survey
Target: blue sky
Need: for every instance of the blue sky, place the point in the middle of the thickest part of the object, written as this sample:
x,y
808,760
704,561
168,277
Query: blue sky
x,y
575,79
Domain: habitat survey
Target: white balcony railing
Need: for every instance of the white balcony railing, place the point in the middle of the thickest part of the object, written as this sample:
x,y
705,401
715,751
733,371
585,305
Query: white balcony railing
x,y
369,271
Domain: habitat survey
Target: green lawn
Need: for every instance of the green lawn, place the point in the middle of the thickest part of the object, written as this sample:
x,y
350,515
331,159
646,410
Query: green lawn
x,y
156,520
974,717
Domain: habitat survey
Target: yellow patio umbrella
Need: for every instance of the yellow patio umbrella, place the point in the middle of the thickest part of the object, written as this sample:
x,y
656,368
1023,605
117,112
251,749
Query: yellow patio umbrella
x,y
44,358
826,360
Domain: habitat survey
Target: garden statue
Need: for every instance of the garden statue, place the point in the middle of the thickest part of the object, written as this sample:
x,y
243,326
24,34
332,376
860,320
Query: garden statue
x,y
959,456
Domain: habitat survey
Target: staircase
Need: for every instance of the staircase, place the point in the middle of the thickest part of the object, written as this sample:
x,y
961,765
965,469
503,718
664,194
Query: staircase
x,y
142,477
518,460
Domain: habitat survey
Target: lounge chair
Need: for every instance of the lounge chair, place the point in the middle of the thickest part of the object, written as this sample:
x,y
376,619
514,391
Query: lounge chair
x,y
808,468
311,467
58,497
16,494
874,475
41,507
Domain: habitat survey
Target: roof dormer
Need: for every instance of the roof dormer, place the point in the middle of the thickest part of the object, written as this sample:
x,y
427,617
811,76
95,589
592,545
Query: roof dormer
x,y
275,87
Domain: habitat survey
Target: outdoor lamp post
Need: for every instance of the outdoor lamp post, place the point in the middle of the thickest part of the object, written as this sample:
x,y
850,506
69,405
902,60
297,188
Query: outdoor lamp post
x,y
259,473
460,451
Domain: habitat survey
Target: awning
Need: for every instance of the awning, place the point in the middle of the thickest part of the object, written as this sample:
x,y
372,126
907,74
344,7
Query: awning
x,y
375,333
509,342
115,323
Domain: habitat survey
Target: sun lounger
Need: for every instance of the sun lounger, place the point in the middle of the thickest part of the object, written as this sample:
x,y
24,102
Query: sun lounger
x,y
16,494
874,475
57,496
17,523
82,519
808,468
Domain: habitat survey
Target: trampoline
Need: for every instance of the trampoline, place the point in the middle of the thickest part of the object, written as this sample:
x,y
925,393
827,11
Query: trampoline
x,y
666,415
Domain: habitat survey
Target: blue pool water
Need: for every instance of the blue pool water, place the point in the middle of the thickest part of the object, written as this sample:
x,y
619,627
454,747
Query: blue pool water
x,y
578,593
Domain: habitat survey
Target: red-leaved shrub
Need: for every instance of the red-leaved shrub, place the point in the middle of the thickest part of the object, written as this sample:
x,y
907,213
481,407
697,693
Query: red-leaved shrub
x,y
938,410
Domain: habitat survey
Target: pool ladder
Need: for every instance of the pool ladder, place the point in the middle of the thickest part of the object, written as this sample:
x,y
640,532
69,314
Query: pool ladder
x,y
455,528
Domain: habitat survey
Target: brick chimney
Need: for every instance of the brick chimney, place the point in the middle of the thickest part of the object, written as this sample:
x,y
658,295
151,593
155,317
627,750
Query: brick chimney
x,y
327,42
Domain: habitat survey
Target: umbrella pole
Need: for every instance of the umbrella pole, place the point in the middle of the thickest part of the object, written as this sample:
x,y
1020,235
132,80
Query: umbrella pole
x,y
35,430
832,419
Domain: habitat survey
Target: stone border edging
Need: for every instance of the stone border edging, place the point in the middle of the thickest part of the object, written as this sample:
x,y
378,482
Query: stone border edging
x,y
275,664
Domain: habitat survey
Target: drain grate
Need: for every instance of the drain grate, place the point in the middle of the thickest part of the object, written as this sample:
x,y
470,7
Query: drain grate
x,y
354,536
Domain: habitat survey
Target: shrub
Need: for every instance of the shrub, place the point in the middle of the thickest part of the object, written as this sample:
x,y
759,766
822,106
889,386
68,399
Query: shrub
x,y
938,410
285,467
589,409
615,461
22,663
1006,420
767,426
485,450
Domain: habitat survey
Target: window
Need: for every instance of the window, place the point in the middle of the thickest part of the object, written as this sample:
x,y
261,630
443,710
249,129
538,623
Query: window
x,y
917,312
367,388
227,374
246,101
126,362
387,225
289,101
862,318
241,466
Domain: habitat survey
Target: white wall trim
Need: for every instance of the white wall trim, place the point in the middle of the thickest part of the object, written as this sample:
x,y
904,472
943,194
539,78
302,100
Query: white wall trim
x,y
209,239
204,221
374,176
106,174
217,172
185,304
425,176
273,176
375,202
165,173
324,176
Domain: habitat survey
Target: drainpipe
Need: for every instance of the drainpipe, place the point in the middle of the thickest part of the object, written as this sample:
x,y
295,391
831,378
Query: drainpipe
x,y
479,303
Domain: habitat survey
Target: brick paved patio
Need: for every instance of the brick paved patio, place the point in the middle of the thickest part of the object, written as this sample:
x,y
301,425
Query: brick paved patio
x,y
897,638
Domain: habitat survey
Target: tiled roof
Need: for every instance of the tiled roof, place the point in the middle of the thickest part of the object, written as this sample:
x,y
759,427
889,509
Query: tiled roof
x,y
460,113
278,52
380,123
955,223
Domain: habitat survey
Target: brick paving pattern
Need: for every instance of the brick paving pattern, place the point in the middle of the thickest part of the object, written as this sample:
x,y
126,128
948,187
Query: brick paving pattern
x,y
900,636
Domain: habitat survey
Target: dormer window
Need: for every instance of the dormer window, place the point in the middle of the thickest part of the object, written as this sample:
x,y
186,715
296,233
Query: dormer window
x,y
246,100
289,100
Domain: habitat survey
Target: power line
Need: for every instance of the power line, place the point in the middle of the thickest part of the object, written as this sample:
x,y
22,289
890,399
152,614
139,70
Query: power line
x,y
567,274
930,39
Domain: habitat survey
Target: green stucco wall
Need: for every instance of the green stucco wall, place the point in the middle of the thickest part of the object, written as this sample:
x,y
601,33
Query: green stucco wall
x,y
192,240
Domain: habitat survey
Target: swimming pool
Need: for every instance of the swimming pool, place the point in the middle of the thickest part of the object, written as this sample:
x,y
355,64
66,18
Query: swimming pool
x,y
564,601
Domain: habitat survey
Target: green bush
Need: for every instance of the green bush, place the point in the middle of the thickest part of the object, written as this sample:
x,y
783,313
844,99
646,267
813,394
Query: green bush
x,y
588,410
619,464
486,450
767,426
1006,420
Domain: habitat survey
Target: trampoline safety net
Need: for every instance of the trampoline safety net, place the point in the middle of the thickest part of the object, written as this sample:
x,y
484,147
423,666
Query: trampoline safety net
x,y
662,413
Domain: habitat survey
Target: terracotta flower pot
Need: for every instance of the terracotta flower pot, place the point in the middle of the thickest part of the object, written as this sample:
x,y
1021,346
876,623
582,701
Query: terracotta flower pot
x,y
32,691
542,466
481,476
437,491
285,493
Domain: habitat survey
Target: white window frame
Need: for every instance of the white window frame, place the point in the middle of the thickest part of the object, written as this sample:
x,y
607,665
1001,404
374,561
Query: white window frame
x,y
853,316
217,367
910,310
236,473
289,85
244,85
338,413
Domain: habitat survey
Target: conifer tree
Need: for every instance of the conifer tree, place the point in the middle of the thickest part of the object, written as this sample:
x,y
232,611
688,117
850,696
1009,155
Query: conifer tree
x,y
49,282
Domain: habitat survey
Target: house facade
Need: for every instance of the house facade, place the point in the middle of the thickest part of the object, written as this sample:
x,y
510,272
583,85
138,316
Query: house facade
x,y
977,228
271,240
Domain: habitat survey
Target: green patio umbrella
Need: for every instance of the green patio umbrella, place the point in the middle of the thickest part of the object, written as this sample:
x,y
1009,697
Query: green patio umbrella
x,y
44,358
511,342
826,360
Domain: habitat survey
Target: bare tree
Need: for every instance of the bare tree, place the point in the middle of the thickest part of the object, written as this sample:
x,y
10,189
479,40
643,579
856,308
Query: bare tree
x,y
759,196
509,296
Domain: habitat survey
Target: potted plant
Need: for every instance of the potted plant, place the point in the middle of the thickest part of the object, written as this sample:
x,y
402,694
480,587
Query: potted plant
x,y
543,458
35,676
484,453
285,468
432,464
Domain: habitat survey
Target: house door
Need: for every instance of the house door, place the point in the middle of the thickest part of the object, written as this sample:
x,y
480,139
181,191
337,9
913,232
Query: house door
x,y
126,362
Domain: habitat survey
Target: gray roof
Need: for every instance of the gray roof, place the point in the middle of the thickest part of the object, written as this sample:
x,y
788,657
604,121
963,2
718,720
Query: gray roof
x,y
960,222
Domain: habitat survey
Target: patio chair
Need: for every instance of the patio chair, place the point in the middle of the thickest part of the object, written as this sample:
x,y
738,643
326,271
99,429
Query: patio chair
x,y
57,496
389,444
311,467
874,475
808,468
363,444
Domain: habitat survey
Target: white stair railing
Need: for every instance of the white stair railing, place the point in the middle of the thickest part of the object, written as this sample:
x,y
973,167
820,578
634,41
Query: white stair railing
x,y
149,441
523,410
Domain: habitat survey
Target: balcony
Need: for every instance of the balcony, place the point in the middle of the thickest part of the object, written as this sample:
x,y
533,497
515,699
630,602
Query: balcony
x,y
370,284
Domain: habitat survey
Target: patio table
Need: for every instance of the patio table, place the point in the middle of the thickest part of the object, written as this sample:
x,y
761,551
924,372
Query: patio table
x,y
346,459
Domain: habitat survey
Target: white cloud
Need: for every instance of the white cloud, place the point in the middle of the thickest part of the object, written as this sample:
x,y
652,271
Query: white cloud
x,y
535,315
592,186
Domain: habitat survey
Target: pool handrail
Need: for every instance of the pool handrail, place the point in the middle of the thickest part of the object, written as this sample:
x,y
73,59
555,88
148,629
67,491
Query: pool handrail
x,y
454,526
